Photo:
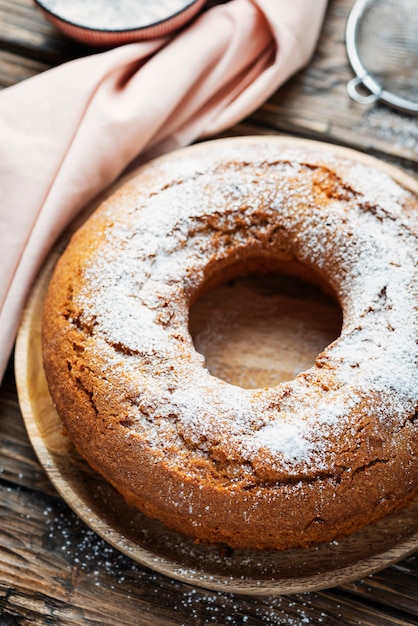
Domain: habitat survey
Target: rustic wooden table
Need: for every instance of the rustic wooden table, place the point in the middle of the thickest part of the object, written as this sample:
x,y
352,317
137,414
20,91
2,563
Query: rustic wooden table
x,y
53,568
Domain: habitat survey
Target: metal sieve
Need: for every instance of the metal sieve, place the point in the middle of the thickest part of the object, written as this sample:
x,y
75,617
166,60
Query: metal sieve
x,y
382,47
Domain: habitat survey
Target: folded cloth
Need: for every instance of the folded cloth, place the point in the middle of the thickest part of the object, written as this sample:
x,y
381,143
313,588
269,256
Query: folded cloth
x,y
69,132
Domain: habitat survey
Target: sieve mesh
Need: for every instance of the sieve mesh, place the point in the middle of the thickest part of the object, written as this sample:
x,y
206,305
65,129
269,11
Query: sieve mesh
x,y
382,45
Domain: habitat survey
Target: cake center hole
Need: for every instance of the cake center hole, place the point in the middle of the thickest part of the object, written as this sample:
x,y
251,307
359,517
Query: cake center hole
x,y
262,329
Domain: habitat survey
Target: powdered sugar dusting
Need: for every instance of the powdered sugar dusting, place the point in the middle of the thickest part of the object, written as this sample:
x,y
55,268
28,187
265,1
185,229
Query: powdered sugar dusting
x,y
156,251
115,14
286,437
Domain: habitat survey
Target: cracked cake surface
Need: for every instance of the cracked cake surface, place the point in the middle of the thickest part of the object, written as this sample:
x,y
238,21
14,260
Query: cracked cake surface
x,y
305,461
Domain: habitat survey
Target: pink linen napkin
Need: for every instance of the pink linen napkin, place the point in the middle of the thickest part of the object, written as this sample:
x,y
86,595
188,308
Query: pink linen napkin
x,y
69,132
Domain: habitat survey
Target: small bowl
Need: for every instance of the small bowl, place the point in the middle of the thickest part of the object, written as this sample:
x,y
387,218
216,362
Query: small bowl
x,y
89,26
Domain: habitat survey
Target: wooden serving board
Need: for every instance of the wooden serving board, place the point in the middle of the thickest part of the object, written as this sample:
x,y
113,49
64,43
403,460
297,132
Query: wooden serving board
x,y
255,332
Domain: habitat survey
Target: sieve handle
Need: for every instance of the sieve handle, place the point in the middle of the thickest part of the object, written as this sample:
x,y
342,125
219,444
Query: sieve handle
x,y
354,93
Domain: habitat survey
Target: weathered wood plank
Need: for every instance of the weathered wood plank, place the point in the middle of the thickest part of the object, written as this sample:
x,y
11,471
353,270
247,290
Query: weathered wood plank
x,y
25,31
395,587
15,68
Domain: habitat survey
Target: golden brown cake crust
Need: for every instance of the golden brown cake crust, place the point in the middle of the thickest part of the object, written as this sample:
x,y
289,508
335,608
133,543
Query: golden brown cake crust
x,y
306,461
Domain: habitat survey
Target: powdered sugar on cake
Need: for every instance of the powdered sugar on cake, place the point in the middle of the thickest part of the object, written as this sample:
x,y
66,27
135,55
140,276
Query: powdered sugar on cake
x,y
160,241
115,14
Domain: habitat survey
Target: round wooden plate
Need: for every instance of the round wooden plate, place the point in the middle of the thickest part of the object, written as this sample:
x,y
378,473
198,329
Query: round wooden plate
x,y
157,547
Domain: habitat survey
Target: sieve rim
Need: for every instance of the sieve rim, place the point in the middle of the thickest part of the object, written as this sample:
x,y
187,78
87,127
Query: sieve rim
x,y
363,76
